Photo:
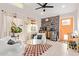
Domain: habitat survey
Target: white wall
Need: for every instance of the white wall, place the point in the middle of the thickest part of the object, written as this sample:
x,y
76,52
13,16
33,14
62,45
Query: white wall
x,y
39,23
78,19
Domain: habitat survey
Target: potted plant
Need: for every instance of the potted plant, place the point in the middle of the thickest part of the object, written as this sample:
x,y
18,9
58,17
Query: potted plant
x,y
15,33
15,30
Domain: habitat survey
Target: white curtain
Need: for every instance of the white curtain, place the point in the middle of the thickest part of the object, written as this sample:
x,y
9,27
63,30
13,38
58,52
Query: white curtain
x,y
5,23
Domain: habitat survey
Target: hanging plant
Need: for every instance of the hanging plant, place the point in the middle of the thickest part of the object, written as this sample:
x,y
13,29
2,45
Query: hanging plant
x,y
15,29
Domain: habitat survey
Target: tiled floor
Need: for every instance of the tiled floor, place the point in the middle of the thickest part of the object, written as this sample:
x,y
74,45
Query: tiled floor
x,y
59,49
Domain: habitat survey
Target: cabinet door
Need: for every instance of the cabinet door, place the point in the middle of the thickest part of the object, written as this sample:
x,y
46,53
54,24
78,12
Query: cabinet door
x,y
49,34
53,36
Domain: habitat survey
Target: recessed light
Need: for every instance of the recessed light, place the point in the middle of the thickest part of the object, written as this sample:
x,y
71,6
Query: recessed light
x,y
42,13
63,6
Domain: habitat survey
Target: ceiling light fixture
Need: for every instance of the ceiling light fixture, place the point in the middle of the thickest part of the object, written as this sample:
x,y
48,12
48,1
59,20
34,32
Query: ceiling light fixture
x,y
46,19
42,13
44,10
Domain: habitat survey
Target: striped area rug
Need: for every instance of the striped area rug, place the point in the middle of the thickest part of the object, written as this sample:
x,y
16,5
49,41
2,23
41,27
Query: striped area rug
x,y
36,50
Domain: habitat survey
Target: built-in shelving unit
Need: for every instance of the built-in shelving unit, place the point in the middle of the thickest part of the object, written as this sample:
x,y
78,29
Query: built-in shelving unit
x,y
51,27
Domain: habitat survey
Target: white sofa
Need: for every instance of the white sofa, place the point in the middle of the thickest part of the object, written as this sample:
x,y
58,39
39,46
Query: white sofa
x,y
39,41
10,50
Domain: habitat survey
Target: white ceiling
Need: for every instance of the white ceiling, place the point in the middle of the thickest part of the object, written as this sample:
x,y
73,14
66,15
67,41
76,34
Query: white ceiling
x,y
29,9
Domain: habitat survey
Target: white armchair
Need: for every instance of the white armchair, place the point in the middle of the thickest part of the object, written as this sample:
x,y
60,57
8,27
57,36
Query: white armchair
x,y
40,38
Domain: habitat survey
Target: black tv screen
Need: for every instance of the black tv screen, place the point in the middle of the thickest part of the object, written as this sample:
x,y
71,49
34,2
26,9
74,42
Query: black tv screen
x,y
39,36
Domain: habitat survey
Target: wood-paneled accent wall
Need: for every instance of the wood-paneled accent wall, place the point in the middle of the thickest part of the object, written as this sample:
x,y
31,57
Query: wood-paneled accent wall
x,y
66,29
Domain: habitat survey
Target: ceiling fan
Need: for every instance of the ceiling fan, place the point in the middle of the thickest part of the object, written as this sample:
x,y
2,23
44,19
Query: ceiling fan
x,y
43,6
